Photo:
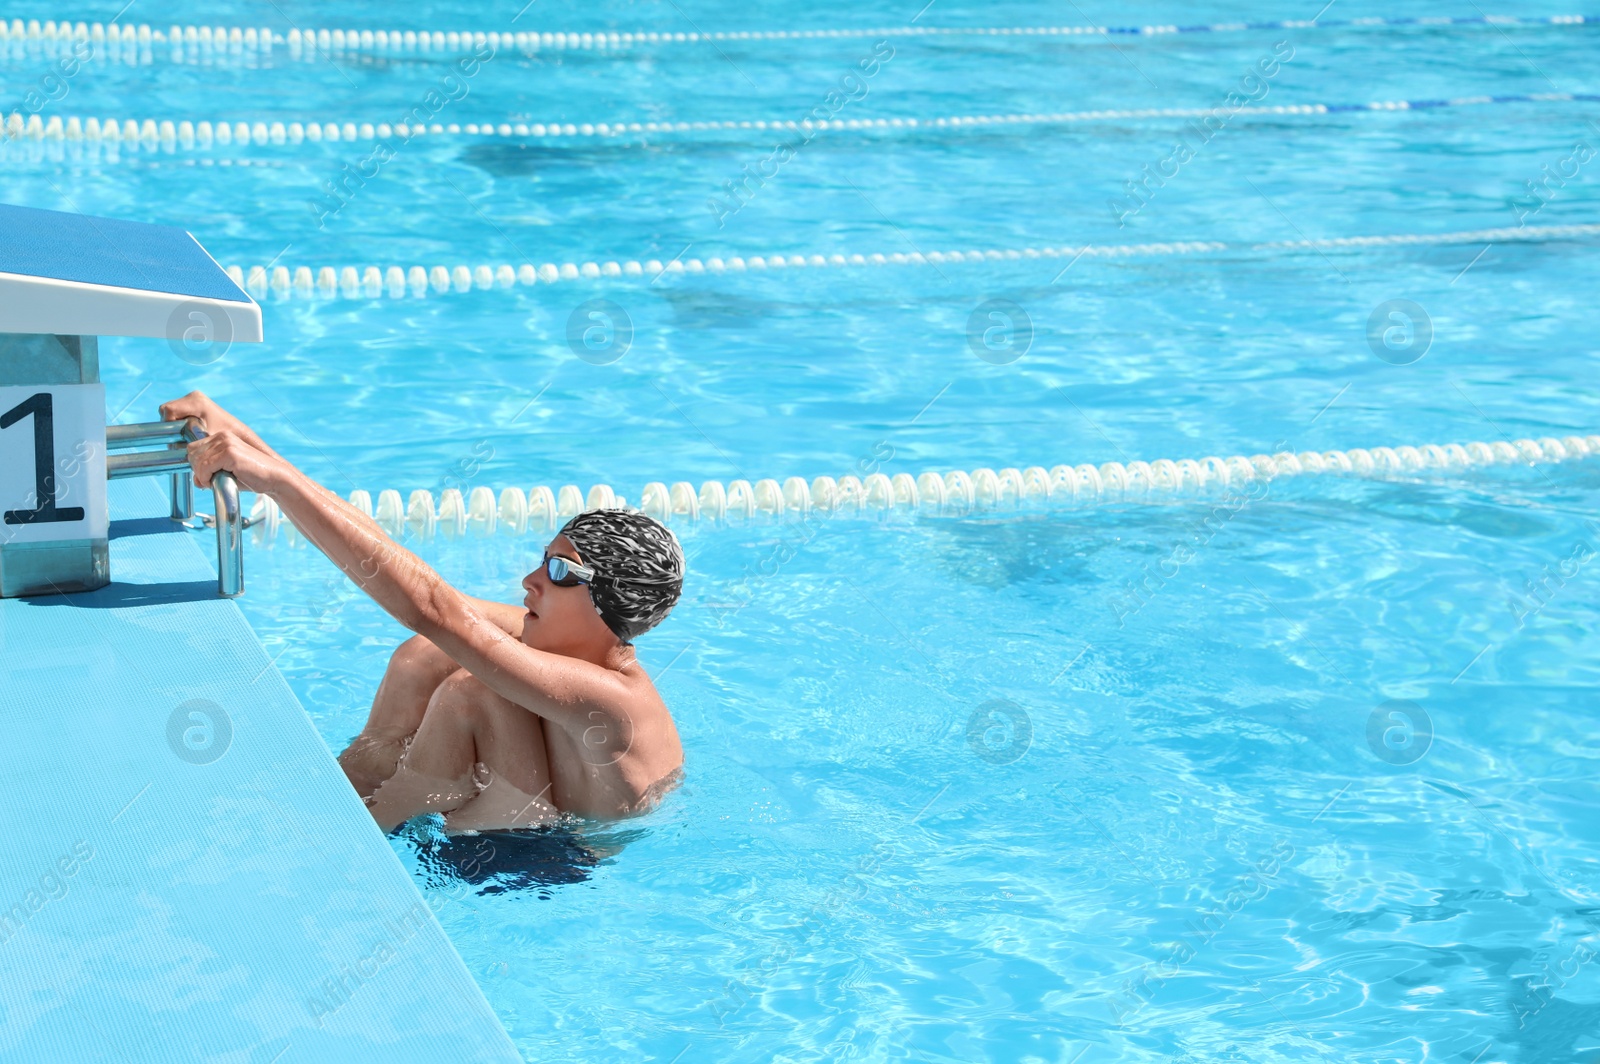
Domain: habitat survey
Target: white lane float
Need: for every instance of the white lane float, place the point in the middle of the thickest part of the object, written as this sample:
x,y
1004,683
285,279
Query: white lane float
x,y
958,493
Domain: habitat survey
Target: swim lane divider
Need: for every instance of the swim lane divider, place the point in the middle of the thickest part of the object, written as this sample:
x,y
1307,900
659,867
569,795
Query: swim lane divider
x,y
183,42
981,492
171,135
397,282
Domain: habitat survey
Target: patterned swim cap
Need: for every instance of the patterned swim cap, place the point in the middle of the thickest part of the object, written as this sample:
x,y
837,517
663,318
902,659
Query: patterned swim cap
x,y
638,568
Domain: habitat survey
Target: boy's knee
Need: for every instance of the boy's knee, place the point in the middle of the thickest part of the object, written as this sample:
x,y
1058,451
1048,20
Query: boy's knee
x,y
460,686
459,699
417,666
414,655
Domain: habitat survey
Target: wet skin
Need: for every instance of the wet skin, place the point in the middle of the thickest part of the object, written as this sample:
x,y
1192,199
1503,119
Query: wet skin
x,y
493,715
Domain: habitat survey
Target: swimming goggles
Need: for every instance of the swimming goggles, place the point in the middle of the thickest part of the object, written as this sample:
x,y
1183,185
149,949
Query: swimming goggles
x,y
564,572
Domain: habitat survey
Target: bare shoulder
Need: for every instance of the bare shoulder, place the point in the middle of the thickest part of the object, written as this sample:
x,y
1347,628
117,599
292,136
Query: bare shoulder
x,y
654,760
621,754
648,712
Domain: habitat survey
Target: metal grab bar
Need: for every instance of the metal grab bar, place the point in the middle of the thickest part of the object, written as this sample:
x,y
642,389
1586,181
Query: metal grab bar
x,y
173,433
230,535
173,460
120,437
145,463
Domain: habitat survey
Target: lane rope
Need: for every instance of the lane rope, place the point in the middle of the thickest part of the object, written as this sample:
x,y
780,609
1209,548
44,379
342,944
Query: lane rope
x,y
397,282
173,135
980,492
185,43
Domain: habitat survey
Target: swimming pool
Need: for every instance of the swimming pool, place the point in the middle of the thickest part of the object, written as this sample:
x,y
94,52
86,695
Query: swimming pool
x,y
979,788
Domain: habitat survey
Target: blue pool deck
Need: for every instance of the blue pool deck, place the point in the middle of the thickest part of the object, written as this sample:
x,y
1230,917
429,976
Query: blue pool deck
x,y
187,875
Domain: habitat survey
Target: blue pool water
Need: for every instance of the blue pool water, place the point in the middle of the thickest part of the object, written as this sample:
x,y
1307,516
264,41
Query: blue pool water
x,y
1175,840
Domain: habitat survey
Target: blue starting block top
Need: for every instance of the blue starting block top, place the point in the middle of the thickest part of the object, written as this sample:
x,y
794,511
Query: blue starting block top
x,y
73,274
187,876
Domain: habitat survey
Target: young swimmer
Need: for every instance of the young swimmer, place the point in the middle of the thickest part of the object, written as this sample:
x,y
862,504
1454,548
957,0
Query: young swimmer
x,y
497,716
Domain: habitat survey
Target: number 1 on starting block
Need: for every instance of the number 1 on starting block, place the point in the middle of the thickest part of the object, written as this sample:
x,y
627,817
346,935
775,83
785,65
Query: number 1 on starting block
x,y
53,518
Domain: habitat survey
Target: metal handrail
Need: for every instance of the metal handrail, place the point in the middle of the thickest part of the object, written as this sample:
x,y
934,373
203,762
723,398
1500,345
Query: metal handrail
x,y
174,461
121,437
145,463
